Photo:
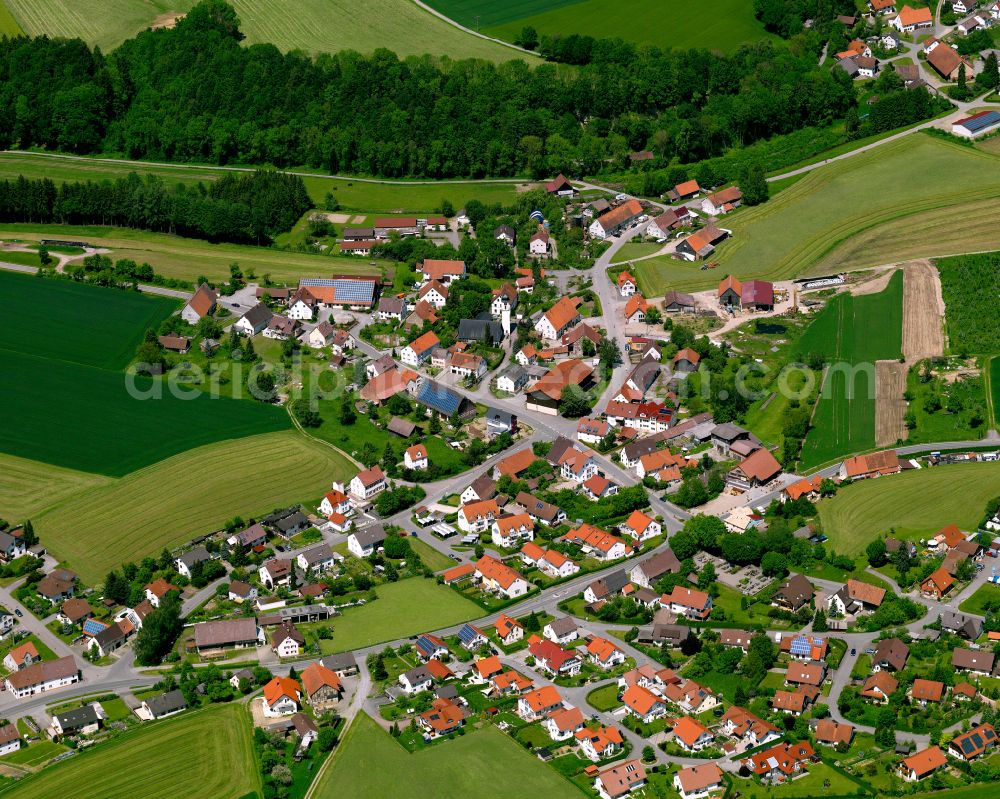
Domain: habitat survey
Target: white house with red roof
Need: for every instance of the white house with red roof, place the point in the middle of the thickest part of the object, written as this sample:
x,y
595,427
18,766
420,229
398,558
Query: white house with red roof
x,y
627,284
539,703
511,530
551,657
474,517
640,526
577,465
564,723
366,484
419,350
499,578
415,457
688,602
442,270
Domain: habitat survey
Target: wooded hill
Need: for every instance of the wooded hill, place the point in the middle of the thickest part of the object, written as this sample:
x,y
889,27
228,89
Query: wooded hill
x,y
194,93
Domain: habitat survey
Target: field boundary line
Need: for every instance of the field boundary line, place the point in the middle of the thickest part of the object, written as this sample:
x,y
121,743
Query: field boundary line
x,y
298,426
185,165
461,27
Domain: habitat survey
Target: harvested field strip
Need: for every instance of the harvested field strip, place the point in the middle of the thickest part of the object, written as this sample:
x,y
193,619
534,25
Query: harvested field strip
x,y
923,311
190,494
916,503
890,407
187,259
27,487
351,194
179,757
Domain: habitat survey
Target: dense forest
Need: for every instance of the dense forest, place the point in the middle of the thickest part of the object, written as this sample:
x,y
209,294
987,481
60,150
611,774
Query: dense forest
x,y
239,207
375,114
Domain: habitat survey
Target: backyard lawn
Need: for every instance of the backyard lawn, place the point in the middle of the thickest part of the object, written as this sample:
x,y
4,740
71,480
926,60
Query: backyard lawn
x,y
822,780
986,597
432,558
402,609
369,764
916,504
179,757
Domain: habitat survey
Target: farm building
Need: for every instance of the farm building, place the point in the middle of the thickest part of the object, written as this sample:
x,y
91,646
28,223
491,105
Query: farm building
x,y
976,125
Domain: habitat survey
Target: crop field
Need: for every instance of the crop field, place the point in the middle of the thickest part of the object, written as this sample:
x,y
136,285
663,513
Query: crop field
x,y
27,487
79,417
402,609
970,285
179,757
186,495
369,764
852,333
72,308
823,223
665,23
315,26
353,195
74,407
8,25
916,504
188,259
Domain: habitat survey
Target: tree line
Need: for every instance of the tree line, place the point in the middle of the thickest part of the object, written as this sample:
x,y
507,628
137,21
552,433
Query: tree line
x,y
245,208
377,114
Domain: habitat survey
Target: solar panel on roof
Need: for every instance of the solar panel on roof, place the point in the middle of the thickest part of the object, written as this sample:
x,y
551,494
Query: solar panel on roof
x,y
345,289
93,627
977,739
989,734
981,122
967,745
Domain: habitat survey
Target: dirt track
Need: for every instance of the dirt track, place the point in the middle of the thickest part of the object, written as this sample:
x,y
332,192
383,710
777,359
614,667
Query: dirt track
x,y
872,285
890,407
923,312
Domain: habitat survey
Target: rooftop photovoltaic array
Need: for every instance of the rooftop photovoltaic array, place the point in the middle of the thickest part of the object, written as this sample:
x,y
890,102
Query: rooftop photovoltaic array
x,y
346,289
981,121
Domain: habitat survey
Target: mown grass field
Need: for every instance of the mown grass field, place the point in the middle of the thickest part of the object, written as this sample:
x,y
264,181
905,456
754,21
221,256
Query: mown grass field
x,y
483,764
852,333
179,757
915,503
72,309
353,195
665,23
189,494
402,609
824,222
28,487
316,26
189,259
